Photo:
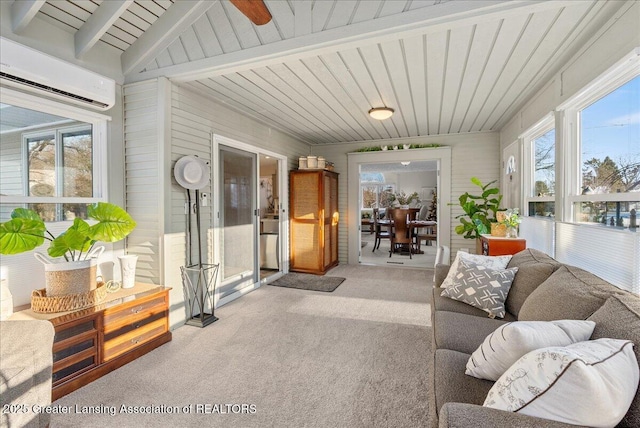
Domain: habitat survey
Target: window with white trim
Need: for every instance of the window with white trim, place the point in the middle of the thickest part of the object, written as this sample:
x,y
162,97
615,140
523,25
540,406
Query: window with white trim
x,y
609,157
51,157
377,195
59,163
603,179
540,166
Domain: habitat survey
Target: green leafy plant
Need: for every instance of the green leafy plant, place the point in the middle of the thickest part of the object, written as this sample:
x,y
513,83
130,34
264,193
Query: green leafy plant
x,y
479,210
26,231
370,149
512,218
403,198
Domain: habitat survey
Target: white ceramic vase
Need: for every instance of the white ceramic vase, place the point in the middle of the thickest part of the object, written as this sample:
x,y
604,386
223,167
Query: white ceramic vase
x,y
128,269
6,300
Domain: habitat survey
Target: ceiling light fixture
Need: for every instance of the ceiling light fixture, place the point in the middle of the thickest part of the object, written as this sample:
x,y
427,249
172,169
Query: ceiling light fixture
x,y
381,113
405,163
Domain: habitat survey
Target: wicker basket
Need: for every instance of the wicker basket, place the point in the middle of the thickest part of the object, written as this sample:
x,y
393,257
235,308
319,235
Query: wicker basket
x,y
43,304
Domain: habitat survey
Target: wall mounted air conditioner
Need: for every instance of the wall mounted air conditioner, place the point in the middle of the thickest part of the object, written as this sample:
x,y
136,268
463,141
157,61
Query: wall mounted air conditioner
x,y
31,70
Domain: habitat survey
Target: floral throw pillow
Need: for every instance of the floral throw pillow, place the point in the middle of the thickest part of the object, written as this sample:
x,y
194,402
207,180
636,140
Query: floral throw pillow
x,y
588,383
482,287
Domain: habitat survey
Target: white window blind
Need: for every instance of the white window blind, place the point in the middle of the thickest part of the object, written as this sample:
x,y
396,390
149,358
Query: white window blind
x,y
612,255
539,233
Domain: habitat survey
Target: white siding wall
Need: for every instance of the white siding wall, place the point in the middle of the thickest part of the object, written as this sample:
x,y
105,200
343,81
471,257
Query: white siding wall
x,y
193,119
143,170
164,122
473,155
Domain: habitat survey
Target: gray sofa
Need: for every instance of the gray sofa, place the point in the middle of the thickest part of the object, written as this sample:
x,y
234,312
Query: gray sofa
x,y
544,290
26,361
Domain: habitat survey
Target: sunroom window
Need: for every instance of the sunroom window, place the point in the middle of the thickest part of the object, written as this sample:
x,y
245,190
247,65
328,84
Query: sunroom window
x,y
51,157
540,169
609,150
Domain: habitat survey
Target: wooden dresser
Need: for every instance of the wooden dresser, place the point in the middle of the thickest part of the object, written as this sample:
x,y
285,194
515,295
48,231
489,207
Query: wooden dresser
x,y
91,342
313,216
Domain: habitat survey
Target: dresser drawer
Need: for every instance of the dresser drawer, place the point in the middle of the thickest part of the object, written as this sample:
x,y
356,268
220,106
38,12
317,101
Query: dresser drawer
x,y
131,313
134,338
69,331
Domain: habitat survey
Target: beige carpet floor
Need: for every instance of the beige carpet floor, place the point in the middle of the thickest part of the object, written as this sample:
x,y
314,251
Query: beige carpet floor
x,y
357,357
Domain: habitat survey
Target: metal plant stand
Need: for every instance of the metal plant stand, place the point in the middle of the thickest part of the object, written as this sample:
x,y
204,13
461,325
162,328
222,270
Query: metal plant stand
x,y
199,283
198,279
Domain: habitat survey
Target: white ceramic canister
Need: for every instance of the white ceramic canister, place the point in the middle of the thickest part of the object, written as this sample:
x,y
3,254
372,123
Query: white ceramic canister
x,y
302,162
312,162
321,163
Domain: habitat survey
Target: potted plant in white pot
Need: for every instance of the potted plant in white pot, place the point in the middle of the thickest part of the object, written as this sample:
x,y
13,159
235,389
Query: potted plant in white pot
x,y
73,265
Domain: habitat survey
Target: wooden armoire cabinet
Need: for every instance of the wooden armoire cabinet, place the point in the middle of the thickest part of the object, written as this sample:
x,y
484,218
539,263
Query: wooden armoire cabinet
x,y
313,217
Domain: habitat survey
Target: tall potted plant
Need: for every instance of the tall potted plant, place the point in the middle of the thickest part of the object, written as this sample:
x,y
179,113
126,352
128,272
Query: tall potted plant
x,y
479,211
74,249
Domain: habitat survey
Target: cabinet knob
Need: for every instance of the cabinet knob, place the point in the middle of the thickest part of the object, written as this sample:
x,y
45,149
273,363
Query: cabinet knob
x,y
136,310
135,341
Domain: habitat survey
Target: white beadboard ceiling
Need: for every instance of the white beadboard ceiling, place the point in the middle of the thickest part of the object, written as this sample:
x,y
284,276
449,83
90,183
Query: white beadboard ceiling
x,y
444,66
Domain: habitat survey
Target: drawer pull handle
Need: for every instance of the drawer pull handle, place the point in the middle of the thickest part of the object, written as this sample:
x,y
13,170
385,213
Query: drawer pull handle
x,y
135,341
136,310
137,325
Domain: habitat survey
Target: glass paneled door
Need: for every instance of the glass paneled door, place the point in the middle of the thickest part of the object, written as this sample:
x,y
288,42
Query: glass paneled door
x,y
238,220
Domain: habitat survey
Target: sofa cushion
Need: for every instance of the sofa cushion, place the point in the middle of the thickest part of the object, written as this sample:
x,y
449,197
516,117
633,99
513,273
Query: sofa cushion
x,y
482,287
461,332
619,318
452,385
569,293
471,415
531,256
509,342
534,268
492,262
586,383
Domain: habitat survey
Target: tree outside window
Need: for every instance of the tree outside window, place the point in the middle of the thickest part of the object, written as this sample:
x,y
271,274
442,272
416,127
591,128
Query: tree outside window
x,y
545,163
610,156
60,164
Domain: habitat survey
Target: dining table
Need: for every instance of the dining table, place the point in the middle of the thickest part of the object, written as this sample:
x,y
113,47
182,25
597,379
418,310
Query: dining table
x,y
413,225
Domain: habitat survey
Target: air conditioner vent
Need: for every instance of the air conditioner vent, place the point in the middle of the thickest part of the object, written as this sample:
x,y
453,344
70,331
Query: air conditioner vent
x,y
34,71
52,90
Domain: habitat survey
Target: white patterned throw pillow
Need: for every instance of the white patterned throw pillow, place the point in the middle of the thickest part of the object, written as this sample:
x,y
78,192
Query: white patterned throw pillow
x,y
492,262
511,341
588,383
482,287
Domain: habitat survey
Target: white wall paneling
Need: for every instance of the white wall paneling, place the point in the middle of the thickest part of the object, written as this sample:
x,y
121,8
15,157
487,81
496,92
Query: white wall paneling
x,y
144,172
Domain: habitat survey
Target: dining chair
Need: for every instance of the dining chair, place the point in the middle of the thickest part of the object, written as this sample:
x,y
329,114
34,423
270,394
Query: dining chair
x,y
380,233
401,234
